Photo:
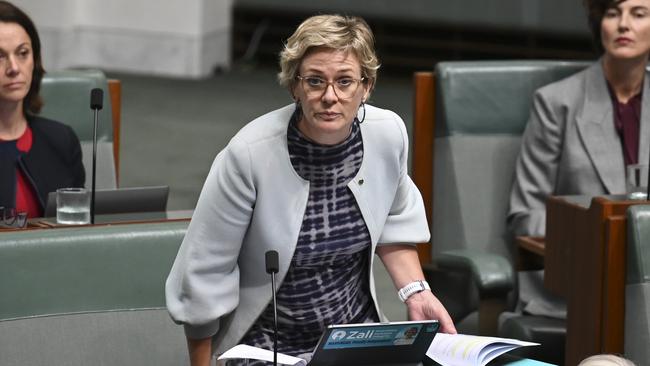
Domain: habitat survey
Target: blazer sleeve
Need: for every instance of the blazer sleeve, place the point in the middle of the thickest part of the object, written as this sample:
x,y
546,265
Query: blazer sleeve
x,y
203,284
536,168
407,221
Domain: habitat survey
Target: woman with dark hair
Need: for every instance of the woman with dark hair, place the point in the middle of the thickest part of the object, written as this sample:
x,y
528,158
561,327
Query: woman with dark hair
x,y
584,130
37,155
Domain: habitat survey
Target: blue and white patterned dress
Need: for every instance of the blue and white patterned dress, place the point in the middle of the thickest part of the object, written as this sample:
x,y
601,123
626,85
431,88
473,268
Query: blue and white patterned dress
x,y
327,281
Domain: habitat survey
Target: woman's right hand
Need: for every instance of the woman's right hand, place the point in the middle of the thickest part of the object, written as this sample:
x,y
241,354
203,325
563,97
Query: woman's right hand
x,y
200,351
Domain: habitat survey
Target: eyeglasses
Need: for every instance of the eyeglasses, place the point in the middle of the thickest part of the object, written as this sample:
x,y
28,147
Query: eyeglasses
x,y
344,88
12,218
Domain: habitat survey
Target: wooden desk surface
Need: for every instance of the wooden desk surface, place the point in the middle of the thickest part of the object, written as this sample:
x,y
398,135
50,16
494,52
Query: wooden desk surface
x,y
584,259
585,263
530,253
532,244
41,223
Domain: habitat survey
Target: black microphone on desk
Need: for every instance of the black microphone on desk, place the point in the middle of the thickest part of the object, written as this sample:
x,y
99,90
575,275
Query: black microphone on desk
x,y
96,104
272,267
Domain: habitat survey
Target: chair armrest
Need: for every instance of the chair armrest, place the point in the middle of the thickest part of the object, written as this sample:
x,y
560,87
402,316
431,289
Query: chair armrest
x,y
493,274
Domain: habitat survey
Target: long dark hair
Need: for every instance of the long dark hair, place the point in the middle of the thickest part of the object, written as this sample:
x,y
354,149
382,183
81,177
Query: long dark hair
x,y
11,14
596,10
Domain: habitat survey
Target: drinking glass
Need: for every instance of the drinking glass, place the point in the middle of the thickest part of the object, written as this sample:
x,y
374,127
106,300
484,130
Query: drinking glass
x,y
637,181
72,206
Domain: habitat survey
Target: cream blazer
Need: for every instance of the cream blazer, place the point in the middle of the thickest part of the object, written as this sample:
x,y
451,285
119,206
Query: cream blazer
x,y
254,201
570,147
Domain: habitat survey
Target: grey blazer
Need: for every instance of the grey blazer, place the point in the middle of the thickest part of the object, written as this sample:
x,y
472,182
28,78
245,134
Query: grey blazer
x,y
570,147
253,201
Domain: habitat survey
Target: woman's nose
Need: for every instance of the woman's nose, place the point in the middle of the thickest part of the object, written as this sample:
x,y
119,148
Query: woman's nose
x,y
330,94
11,66
623,22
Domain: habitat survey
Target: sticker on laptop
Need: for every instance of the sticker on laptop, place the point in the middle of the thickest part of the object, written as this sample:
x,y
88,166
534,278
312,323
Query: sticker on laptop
x,y
389,335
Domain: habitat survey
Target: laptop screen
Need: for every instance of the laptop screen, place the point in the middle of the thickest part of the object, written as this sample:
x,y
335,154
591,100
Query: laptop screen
x,y
399,343
121,200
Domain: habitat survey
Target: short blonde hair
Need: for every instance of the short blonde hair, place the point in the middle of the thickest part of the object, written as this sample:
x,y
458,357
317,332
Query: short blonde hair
x,y
605,360
337,32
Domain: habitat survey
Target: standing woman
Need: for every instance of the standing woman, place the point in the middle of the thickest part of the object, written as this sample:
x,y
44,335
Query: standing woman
x,y
324,182
37,155
584,130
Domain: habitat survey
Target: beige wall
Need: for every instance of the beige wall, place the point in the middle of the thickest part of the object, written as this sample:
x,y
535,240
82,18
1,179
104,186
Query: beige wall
x,y
182,38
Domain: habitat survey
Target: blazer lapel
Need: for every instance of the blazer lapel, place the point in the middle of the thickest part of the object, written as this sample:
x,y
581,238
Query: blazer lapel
x,y
596,127
644,130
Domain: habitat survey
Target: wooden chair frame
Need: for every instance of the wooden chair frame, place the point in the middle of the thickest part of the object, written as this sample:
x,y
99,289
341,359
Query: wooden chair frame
x,y
115,92
423,140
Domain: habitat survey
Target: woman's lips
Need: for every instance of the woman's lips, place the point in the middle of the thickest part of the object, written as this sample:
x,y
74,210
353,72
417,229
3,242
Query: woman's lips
x,y
14,85
328,115
623,40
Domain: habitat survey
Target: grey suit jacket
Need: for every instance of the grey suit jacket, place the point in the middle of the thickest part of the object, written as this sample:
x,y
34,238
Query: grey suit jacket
x,y
570,147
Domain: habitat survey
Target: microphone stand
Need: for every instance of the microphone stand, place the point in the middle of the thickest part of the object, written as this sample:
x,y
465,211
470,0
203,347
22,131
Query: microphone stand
x,y
647,193
275,323
96,101
272,267
92,194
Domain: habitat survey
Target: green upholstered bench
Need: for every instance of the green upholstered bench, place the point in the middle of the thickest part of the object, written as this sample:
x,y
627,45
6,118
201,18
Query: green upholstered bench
x,y
89,296
66,97
637,285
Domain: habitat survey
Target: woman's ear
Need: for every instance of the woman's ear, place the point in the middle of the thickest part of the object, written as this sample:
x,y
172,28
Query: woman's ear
x,y
367,88
294,94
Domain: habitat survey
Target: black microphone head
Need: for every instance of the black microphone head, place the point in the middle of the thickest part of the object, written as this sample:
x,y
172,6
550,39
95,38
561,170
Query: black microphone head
x,y
96,99
272,262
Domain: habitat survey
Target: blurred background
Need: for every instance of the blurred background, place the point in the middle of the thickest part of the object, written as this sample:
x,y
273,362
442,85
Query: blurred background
x,y
194,72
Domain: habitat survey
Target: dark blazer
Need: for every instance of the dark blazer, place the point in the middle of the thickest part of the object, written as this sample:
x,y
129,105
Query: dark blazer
x,y
54,161
571,147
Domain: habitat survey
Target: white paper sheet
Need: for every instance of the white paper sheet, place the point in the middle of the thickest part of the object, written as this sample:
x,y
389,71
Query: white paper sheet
x,y
244,351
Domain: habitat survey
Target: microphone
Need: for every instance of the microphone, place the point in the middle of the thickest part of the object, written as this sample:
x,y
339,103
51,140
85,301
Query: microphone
x,y
272,267
96,104
96,99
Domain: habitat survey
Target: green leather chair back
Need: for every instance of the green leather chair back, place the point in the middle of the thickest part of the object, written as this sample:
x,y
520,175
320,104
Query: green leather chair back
x,y
492,97
637,289
66,97
482,108
89,296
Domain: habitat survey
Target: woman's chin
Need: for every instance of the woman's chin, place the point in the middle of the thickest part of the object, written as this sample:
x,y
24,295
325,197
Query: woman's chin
x,y
11,98
627,55
329,135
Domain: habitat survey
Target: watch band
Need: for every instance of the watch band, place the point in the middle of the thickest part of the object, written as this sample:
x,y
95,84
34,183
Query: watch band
x,y
412,288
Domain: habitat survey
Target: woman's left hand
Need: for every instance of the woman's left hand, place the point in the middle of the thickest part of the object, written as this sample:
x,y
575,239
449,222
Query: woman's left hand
x,y
424,305
403,265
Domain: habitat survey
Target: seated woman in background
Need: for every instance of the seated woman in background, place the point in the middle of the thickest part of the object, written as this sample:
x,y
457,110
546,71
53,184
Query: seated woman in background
x,y
37,155
324,182
584,130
